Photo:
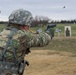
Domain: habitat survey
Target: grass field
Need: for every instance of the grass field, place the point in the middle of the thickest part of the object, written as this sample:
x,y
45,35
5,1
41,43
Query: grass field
x,y
2,26
60,26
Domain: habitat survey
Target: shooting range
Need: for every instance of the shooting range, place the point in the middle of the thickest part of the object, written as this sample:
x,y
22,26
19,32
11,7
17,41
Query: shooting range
x,y
37,37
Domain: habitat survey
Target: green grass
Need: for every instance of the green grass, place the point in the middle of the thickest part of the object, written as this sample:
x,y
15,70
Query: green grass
x,y
61,26
2,26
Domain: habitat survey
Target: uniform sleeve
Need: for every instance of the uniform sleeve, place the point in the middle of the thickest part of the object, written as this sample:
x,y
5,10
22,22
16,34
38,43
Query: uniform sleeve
x,y
34,40
39,40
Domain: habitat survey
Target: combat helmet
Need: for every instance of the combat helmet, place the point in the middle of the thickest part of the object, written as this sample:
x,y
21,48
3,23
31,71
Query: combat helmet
x,y
21,17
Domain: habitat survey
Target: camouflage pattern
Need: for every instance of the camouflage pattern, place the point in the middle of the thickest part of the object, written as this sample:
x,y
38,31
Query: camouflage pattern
x,y
21,17
34,40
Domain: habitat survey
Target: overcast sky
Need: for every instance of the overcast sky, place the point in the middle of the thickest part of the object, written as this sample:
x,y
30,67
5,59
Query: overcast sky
x,y
52,9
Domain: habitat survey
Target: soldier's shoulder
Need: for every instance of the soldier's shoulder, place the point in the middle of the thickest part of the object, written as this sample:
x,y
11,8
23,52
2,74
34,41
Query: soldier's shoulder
x,y
5,32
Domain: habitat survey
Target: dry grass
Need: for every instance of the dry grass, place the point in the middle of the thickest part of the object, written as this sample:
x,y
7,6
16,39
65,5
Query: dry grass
x,y
48,62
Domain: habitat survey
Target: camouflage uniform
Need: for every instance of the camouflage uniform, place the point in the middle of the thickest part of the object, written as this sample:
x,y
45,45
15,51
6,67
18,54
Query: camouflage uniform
x,y
22,39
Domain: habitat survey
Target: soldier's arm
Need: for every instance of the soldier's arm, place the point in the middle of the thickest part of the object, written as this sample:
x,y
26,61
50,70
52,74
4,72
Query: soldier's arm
x,y
40,39
35,40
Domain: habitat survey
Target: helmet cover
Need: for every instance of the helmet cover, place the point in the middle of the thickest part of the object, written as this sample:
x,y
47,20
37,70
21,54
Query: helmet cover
x,y
21,17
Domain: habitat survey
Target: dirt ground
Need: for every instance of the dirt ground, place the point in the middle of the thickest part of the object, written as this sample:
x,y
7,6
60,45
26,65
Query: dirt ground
x,y
50,62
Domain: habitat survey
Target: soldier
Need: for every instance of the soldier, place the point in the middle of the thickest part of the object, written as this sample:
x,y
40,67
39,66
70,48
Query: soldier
x,y
16,40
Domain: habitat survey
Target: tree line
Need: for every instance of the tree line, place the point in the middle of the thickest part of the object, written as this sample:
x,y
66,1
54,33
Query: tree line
x,y
43,21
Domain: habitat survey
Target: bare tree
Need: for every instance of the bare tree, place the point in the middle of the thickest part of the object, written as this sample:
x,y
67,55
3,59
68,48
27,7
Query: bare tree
x,y
40,21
